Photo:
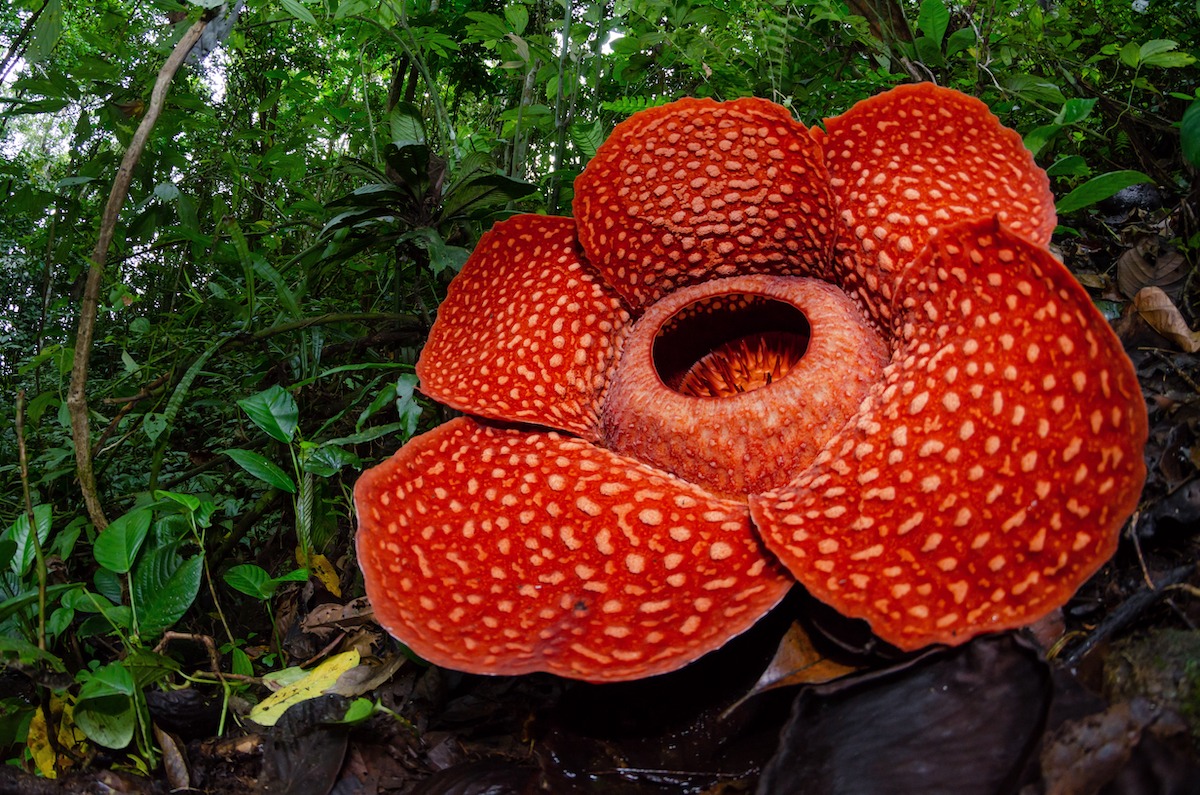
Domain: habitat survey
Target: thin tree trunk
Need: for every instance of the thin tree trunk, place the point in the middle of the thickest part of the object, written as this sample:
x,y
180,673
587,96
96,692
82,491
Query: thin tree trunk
x,y
77,395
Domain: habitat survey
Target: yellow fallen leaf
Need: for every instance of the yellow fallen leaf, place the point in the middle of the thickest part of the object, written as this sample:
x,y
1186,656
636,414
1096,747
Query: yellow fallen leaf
x,y
69,737
316,682
322,568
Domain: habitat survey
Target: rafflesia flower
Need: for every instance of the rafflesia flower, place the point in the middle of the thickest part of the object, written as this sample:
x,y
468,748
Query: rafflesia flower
x,y
759,354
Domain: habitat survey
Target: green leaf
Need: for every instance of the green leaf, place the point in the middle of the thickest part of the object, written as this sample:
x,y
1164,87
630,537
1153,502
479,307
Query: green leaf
x,y
442,258
180,392
1131,55
1189,133
297,9
517,16
26,654
15,604
1074,111
1170,60
241,664
19,534
1154,47
1036,139
933,20
960,40
162,589
328,459
254,581
186,501
406,403
407,125
46,32
250,580
349,8
117,546
1098,189
286,296
1069,166
263,469
275,411
104,709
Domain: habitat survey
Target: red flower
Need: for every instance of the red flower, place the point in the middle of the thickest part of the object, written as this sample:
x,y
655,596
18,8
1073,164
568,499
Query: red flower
x,y
759,354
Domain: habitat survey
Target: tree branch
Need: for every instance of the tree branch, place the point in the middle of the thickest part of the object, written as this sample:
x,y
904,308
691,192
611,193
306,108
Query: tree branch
x,y
77,395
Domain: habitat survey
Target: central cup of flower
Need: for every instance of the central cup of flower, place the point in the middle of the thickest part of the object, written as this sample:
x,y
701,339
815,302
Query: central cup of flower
x,y
736,384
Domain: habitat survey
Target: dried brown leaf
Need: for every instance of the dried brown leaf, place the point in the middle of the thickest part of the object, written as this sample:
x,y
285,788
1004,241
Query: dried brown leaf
x,y
1151,262
1158,310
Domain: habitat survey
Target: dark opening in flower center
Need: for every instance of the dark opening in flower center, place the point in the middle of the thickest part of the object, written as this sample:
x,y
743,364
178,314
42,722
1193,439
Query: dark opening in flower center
x,y
728,344
688,393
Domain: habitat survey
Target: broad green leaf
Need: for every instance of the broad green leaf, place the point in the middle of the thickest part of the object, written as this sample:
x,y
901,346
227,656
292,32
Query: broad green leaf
x,y
250,580
369,434
1069,166
104,709
162,589
517,16
26,653
1074,111
483,192
286,296
961,39
1098,189
187,501
26,553
442,258
1154,47
933,20
349,8
275,411
14,604
46,32
383,398
297,9
1189,133
406,124
1036,139
587,136
241,664
1131,55
263,469
153,425
1170,60
327,460
148,667
406,403
117,546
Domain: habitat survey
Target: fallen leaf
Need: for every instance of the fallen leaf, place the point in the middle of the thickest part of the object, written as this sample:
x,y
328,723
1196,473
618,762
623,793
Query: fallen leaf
x,y
313,684
1158,310
796,662
1151,262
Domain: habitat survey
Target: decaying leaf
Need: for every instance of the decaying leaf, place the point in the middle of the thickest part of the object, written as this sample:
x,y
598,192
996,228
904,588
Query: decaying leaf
x,y
1157,309
313,684
1151,262
796,662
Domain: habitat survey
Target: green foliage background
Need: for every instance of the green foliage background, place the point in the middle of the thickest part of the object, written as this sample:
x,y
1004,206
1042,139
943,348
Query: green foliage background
x,y
315,181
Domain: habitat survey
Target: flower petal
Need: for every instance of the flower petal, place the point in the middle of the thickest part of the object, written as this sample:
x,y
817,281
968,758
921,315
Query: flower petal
x,y
916,159
696,189
528,331
506,551
989,473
